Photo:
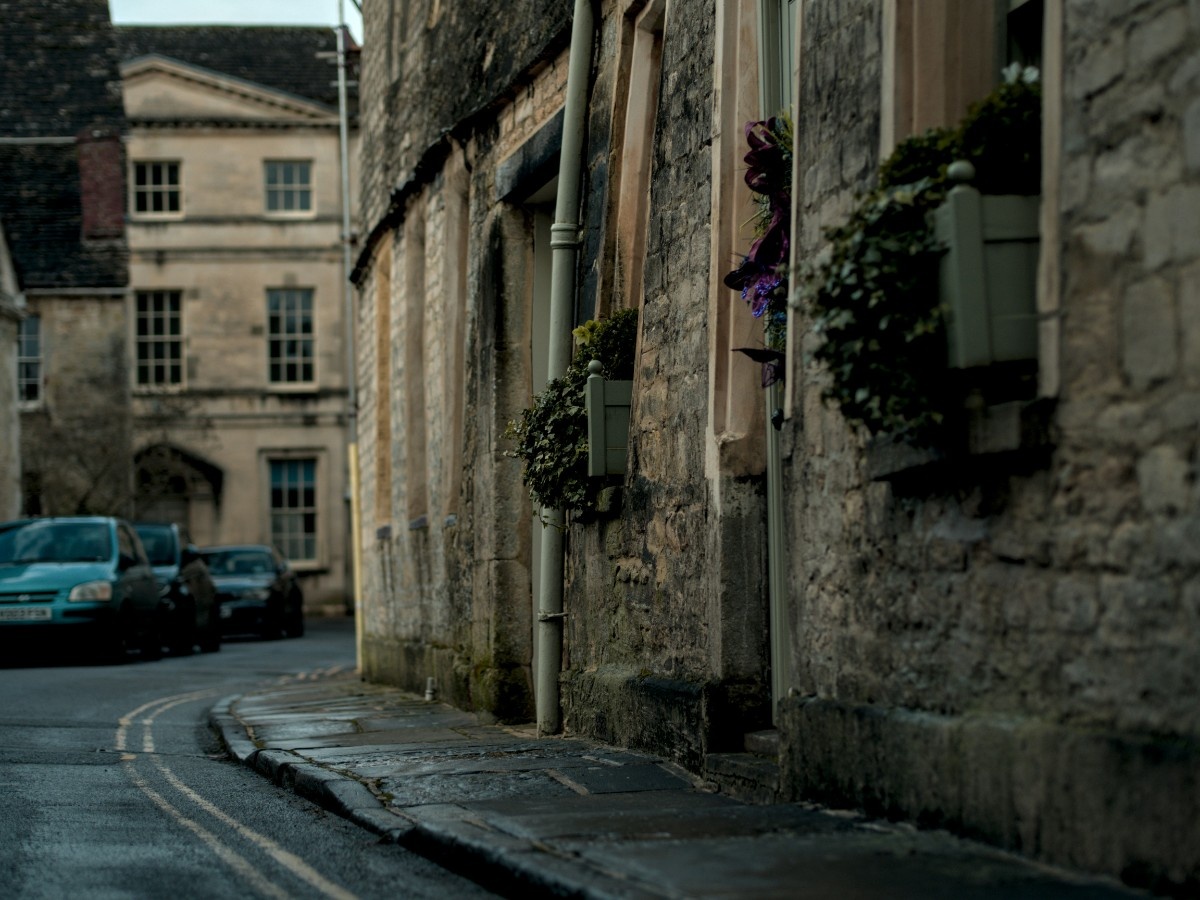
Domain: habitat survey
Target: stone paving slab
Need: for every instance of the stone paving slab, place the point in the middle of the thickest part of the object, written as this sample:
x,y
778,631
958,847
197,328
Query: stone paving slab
x,y
684,816
884,864
565,817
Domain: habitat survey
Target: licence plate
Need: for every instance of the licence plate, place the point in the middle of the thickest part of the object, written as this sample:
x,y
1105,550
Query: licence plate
x,y
25,614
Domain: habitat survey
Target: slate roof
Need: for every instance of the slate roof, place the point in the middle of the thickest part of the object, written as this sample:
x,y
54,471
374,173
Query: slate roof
x,y
59,68
39,203
279,57
59,74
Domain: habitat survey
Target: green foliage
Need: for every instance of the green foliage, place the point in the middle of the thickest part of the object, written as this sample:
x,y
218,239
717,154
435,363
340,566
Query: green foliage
x,y
873,295
874,303
551,435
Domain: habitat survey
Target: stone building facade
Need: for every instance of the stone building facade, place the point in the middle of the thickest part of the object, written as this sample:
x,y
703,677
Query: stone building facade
x,y
237,335
11,315
62,206
1007,643
1002,639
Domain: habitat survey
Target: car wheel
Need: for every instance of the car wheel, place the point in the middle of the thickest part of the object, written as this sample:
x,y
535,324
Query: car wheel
x,y
210,640
152,642
183,641
295,626
272,625
114,644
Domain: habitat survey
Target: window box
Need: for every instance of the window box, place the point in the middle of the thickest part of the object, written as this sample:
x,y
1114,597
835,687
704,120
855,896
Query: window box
x,y
988,278
607,404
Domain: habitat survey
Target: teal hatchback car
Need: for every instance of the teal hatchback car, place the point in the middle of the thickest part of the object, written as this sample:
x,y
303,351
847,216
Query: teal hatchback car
x,y
86,577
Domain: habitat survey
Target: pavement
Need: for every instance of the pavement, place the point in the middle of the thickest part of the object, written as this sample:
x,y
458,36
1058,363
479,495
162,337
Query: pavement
x,y
567,817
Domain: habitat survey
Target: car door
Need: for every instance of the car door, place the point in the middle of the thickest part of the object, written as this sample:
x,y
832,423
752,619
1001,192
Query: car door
x,y
137,577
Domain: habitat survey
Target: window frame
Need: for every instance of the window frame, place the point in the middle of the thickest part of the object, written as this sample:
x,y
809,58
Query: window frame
x,y
306,296
37,362
307,507
176,340
170,190
273,188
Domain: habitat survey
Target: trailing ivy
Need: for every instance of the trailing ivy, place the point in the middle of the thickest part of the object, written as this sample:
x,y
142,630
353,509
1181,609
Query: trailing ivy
x,y
873,294
551,435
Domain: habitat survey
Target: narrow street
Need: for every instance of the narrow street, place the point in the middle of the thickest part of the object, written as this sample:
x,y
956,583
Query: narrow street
x,y
113,784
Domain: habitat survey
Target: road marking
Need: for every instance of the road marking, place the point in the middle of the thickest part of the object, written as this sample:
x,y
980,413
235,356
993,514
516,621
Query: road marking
x,y
239,864
126,720
285,858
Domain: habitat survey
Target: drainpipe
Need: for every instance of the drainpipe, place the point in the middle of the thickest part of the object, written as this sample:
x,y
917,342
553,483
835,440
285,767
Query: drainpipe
x,y
348,311
564,253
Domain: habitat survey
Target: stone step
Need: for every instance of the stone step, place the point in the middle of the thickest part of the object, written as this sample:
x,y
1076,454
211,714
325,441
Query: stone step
x,y
746,776
763,743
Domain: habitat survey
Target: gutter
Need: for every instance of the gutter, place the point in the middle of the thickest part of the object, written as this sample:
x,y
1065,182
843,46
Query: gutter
x,y
564,248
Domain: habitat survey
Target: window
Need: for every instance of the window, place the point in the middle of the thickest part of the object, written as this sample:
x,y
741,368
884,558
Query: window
x,y
156,188
29,361
290,335
294,507
288,185
159,338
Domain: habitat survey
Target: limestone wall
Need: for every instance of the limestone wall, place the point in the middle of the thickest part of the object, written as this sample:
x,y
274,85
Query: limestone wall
x,y
1010,645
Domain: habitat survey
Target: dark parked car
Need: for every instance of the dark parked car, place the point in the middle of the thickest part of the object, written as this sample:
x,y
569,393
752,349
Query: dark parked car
x,y
256,589
187,596
85,577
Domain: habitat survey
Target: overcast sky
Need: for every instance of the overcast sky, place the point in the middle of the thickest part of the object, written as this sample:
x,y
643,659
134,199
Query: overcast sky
x,y
234,12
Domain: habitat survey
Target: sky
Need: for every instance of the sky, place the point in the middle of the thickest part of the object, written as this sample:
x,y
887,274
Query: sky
x,y
235,12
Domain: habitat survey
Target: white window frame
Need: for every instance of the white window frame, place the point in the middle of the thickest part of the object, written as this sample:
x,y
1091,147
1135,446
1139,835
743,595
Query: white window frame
x,y
35,361
294,514
166,188
281,336
152,340
276,186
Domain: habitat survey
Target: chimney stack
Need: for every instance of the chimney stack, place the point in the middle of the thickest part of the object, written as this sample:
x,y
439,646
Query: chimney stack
x,y
102,182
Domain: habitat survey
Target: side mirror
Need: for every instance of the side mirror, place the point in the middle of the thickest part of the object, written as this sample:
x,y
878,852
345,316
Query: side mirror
x,y
188,555
125,562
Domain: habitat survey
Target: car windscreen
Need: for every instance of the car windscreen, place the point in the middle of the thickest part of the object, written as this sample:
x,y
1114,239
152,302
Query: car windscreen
x,y
159,544
239,562
55,542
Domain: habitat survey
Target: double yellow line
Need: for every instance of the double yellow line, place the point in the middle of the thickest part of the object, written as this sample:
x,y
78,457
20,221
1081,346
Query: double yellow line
x,y
144,717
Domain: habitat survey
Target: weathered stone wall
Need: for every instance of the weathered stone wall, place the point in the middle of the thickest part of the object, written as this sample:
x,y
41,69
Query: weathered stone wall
x,y
447,567
1011,647
431,67
10,420
645,664
78,440
452,599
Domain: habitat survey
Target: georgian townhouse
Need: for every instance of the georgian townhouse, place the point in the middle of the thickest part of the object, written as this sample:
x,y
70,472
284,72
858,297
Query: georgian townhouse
x,y
236,335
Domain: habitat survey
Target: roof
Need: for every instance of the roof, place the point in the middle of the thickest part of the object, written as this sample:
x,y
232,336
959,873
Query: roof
x,y
284,58
59,68
40,206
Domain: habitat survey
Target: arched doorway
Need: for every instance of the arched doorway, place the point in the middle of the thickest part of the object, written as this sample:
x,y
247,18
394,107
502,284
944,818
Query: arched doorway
x,y
173,485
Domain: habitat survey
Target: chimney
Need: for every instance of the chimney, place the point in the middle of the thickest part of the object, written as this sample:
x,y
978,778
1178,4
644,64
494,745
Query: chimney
x,y
101,182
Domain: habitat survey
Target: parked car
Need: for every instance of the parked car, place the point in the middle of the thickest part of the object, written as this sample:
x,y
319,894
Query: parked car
x,y
83,577
187,597
257,590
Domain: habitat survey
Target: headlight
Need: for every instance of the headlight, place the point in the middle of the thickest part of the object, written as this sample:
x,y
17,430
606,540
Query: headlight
x,y
92,590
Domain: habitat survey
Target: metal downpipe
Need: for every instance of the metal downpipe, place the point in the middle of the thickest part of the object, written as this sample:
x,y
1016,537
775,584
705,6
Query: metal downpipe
x,y
351,362
564,249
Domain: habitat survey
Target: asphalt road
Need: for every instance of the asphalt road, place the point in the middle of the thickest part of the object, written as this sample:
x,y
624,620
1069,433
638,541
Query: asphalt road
x,y
112,785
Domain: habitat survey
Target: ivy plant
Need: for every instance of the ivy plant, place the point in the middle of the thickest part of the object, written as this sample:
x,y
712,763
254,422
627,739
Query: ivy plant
x,y
873,293
551,435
